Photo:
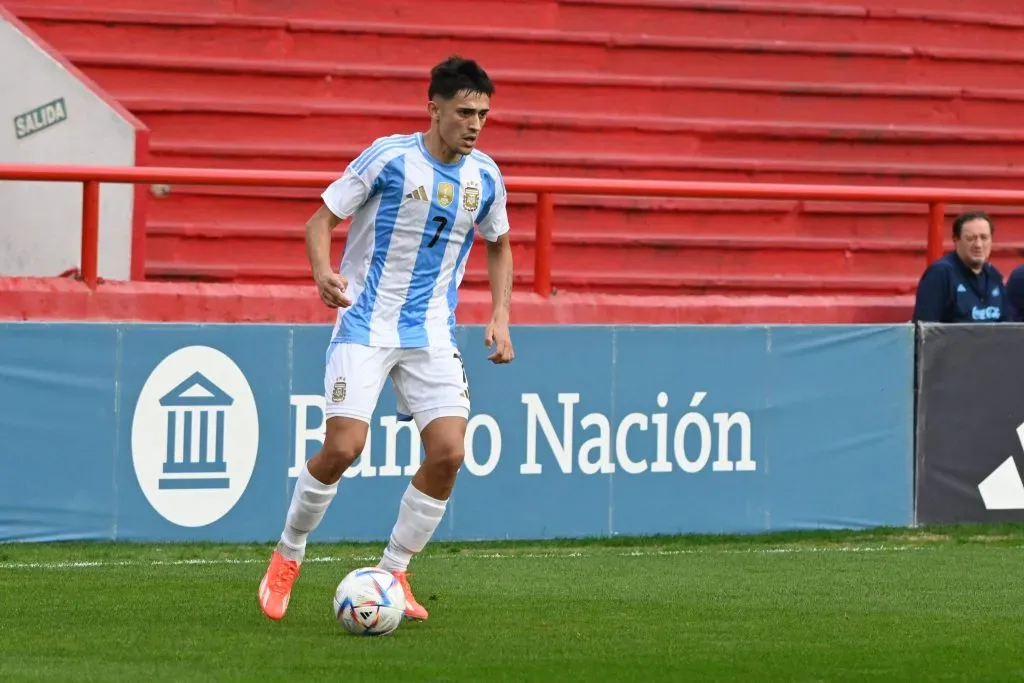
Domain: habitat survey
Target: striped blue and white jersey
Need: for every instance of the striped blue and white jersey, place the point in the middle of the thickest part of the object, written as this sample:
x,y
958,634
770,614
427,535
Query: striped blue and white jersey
x,y
413,223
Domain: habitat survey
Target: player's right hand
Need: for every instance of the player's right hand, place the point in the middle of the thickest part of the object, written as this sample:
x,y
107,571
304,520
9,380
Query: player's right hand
x,y
332,288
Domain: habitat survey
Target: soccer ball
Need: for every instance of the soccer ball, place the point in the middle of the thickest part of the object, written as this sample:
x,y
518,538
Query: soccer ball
x,y
369,602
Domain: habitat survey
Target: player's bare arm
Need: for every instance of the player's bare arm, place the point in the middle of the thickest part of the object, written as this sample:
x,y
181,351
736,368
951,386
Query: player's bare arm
x,y
499,271
330,284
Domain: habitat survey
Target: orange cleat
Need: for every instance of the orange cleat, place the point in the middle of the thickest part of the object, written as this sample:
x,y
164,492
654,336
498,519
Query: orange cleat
x,y
413,609
276,587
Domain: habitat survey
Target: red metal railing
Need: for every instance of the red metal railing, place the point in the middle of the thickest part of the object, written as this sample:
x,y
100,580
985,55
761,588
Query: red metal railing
x,y
545,188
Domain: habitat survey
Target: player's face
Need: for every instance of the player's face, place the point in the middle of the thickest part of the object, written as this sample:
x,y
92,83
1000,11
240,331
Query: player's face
x,y
975,244
460,120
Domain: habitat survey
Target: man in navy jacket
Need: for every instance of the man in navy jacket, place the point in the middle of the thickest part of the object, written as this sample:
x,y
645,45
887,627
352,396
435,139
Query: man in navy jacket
x,y
1015,293
962,286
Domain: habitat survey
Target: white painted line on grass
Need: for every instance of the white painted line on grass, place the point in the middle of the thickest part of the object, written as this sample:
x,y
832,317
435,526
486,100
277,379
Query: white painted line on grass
x,y
512,555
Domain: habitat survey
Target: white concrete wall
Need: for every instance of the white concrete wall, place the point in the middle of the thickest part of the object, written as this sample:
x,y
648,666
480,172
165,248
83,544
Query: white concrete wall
x,y
40,223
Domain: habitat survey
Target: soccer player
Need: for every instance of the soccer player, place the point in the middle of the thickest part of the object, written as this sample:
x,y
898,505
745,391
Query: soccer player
x,y
416,202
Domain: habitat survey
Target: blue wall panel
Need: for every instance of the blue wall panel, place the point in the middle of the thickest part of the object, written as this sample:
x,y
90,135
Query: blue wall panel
x,y
197,432
58,436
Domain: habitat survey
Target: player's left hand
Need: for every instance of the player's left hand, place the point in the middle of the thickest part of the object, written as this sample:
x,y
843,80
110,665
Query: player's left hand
x,y
497,336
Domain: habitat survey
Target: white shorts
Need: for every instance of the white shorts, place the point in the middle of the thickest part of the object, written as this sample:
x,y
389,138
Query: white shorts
x,y
429,383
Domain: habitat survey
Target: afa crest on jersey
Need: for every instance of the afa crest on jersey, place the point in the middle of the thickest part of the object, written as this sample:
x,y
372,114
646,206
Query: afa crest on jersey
x,y
445,194
471,198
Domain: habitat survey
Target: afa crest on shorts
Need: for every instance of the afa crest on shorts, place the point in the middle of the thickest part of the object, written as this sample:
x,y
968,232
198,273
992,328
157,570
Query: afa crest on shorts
x,y
445,194
339,391
471,198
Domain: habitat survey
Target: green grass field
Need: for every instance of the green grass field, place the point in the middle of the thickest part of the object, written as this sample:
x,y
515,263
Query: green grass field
x,y
894,605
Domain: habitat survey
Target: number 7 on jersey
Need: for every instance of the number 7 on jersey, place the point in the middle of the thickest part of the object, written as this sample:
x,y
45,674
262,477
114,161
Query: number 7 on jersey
x,y
442,223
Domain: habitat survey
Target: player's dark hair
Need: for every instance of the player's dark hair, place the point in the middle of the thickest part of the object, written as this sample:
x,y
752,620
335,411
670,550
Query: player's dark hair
x,y
964,218
455,75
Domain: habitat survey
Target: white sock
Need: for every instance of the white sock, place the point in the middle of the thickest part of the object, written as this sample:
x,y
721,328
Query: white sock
x,y
418,517
310,501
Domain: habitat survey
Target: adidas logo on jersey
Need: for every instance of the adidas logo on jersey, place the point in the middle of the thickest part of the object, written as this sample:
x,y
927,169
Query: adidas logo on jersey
x,y
419,193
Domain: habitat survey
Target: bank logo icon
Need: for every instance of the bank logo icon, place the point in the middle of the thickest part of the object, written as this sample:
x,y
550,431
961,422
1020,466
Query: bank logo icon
x,y
195,436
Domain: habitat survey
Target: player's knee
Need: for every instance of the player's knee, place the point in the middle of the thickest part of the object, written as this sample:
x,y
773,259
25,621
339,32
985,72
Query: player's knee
x,y
446,458
342,445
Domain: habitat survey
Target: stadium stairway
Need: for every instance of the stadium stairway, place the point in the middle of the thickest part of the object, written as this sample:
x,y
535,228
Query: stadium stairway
x,y
908,92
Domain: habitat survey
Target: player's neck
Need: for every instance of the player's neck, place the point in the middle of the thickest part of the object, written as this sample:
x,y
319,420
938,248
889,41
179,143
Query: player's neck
x,y
438,149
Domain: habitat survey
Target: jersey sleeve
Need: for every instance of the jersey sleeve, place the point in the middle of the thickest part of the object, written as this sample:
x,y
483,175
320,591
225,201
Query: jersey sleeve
x,y
930,304
346,194
361,179
493,221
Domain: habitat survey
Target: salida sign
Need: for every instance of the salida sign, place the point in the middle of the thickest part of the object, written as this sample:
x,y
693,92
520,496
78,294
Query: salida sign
x,y
40,118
